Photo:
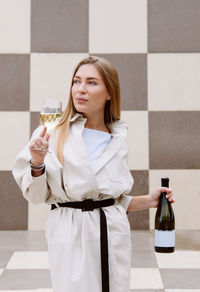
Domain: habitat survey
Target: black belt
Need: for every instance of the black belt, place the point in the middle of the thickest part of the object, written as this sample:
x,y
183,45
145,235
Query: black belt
x,y
90,205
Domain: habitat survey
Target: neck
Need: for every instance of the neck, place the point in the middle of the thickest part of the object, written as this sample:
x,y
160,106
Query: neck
x,y
96,123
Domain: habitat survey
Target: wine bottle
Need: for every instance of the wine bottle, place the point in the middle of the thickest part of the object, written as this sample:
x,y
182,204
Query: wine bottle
x,y
164,223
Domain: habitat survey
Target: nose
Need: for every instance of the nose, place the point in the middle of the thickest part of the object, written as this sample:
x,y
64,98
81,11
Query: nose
x,y
81,87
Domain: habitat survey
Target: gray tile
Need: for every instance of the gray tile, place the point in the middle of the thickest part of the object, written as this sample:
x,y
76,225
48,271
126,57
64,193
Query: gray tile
x,y
59,26
5,256
14,82
174,140
25,279
173,26
181,278
143,259
35,121
22,241
142,240
13,207
139,219
141,182
132,69
185,240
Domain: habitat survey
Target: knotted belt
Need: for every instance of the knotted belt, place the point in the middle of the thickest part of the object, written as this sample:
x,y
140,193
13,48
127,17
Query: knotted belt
x,y
90,205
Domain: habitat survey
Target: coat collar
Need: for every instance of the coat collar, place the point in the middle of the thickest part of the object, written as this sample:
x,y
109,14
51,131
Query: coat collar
x,y
76,116
118,127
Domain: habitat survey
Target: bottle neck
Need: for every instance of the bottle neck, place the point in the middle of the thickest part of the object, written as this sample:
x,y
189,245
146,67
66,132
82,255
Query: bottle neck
x,y
165,182
163,200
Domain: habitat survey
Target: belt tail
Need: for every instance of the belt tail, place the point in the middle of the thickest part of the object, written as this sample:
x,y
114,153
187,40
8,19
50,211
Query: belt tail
x,y
104,252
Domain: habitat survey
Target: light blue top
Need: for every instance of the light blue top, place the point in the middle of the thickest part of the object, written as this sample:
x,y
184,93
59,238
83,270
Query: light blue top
x,y
95,142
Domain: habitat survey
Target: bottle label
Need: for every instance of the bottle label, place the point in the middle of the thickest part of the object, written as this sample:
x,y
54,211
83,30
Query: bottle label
x,y
165,238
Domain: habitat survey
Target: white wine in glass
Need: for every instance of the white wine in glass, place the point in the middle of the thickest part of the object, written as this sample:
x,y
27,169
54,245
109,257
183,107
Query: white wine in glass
x,y
50,113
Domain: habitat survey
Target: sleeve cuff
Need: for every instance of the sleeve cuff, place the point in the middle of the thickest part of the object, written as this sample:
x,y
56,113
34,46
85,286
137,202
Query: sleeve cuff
x,y
35,188
125,200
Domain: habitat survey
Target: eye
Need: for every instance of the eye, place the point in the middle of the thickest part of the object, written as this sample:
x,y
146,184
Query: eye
x,y
76,81
92,82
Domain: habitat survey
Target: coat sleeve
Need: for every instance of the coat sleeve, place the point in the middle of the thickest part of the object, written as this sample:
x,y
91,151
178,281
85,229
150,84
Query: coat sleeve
x,y
125,199
34,189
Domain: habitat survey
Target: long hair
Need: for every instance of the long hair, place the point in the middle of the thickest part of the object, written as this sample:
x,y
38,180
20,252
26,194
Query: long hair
x,y
112,108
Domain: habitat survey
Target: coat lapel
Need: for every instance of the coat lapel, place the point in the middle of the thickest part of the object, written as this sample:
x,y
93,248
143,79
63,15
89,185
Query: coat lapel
x,y
118,131
108,153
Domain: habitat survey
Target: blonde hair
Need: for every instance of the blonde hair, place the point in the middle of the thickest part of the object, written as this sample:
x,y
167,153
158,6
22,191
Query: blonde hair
x,y
112,108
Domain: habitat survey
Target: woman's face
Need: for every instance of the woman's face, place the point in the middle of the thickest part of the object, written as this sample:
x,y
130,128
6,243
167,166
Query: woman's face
x,y
88,91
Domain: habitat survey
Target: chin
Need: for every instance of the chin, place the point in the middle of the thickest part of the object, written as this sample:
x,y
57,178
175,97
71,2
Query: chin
x,y
80,109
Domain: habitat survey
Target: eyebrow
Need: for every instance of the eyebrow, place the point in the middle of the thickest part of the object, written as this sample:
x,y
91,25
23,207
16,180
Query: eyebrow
x,y
88,78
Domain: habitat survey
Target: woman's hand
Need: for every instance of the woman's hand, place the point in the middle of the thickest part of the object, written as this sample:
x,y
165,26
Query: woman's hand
x,y
37,156
155,195
150,200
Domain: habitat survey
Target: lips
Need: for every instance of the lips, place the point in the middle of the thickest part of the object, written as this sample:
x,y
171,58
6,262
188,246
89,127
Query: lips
x,y
81,99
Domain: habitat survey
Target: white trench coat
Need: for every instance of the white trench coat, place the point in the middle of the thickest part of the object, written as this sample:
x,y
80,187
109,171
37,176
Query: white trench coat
x,y
73,236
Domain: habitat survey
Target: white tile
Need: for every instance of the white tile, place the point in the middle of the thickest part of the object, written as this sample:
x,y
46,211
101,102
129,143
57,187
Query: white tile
x,y
14,129
116,26
145,279
186,189
137,138
15,26
173,82
51,77
179,260
37,215
28,260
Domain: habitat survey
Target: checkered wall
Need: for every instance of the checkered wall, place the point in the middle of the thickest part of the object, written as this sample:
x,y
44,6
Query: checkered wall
x,y
154,44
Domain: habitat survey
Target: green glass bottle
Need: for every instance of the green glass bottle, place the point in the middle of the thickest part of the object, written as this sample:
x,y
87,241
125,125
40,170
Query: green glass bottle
x,y
164,223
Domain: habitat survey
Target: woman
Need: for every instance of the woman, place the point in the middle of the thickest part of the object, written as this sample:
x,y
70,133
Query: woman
x,y
86,179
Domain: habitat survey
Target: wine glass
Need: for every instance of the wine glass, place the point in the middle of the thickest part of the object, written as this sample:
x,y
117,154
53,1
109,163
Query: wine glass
x,y
50,116
50,113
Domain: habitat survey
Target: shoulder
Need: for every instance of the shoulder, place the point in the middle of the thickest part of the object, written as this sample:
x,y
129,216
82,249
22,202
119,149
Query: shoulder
x,y
118,127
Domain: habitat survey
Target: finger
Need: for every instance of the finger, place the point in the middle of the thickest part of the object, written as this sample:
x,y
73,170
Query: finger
x,y
38,143
42,140
34,144
172,200
169,194
47,136
42,134
165,190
